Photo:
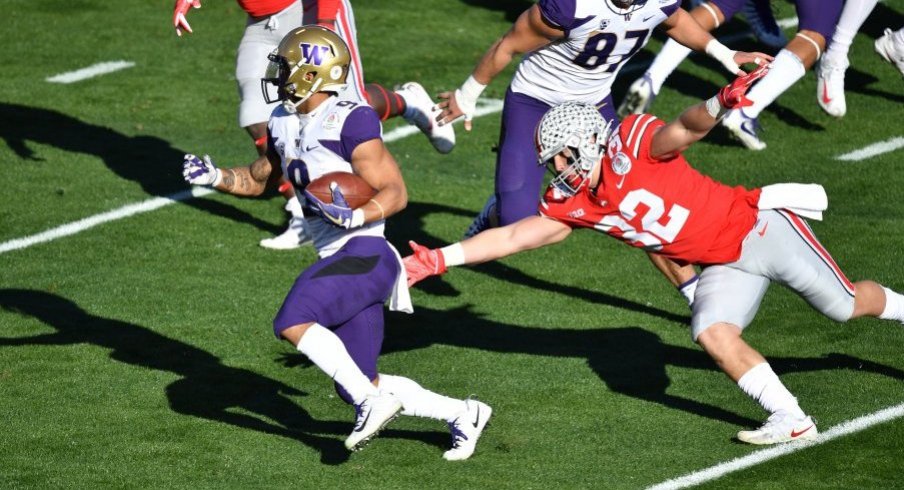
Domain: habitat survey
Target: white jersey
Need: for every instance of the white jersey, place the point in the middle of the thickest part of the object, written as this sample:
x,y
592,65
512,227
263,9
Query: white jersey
x,y
599,39
311,145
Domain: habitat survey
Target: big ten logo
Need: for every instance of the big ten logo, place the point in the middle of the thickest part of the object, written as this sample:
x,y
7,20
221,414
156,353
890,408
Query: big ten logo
x,y
313,54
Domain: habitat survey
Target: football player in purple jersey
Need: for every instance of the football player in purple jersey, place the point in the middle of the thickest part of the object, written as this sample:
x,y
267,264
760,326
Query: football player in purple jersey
x,y
333,313
267,23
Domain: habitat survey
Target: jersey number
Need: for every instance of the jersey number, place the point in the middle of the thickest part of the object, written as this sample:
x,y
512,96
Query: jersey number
x,y
599,46
297,172
652,234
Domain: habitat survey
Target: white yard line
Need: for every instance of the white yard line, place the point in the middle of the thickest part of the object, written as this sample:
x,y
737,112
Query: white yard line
x,y
873,150
90,72
485,107
763,455
98,219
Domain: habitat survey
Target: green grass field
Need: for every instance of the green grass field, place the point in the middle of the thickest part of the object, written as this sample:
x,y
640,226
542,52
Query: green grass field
x,y
138,353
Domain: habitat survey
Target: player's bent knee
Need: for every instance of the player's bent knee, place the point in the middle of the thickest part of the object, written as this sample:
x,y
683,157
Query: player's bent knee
x,y
716,334
293,333
840,311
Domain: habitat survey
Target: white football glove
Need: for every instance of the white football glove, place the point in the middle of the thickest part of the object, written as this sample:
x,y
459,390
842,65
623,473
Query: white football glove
x,y
200,172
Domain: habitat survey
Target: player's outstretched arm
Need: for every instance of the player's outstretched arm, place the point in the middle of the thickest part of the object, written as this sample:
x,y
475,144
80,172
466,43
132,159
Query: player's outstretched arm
x,y
528,33
250,180
696,121
495,243
682,27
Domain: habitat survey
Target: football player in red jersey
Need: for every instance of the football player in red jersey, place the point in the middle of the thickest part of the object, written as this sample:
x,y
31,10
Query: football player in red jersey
x,y
268,22
635,185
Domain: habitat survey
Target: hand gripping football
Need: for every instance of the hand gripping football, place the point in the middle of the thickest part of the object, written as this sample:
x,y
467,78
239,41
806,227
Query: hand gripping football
x,y
355,190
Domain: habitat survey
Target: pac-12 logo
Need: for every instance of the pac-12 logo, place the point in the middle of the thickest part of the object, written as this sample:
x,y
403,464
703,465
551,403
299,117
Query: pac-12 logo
x,y
313,54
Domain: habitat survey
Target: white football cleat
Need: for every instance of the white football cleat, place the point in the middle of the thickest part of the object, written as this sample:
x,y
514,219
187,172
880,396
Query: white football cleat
x,y
830,87
781,427
891,50
743,129
371,416
466,429
639,98
419,112
296,235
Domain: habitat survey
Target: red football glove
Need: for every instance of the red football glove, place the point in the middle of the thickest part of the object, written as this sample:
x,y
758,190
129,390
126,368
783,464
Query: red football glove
x,y
179,11
423,263
732,96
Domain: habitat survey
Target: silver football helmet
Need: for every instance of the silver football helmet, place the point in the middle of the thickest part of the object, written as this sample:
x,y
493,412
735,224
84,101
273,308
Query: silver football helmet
x,y
580,129
308,60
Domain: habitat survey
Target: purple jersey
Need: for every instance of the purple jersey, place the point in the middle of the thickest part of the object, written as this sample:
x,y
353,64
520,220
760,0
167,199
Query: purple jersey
x,y
311,145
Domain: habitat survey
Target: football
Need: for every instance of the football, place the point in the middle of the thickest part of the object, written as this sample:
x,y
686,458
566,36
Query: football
x,y
354,188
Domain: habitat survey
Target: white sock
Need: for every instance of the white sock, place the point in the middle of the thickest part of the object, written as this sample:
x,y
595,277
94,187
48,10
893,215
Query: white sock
x,y
786,70
293,206
852,18
327,351
762,384
689,289
420,402
670,56
894,306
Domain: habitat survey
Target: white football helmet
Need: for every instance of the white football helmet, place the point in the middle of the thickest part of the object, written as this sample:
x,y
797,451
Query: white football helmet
x,y
579,128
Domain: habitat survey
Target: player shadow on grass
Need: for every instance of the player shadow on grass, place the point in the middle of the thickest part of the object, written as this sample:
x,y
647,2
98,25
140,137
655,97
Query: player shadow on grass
x,y
149,161
631,361
410,225
207,388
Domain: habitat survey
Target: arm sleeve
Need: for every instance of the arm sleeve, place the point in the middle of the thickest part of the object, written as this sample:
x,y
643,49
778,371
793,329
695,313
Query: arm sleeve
x,y
637,135
559,13
361,125
555,207
668,10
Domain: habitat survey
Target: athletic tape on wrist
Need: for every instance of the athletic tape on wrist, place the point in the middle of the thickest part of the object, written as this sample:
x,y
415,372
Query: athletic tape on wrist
x,y
453,254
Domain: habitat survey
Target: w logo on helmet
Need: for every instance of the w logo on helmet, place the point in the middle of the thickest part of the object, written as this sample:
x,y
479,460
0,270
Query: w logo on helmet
x,y
313,54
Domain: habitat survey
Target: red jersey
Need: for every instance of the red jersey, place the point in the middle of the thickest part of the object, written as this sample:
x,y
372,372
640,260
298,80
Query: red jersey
x,y
326,10
264,8
663,206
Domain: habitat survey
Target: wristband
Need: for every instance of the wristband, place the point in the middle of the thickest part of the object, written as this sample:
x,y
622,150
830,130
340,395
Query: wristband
x,y
453,254
357,218
715,108
218,179
470,91
380,206
722,54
